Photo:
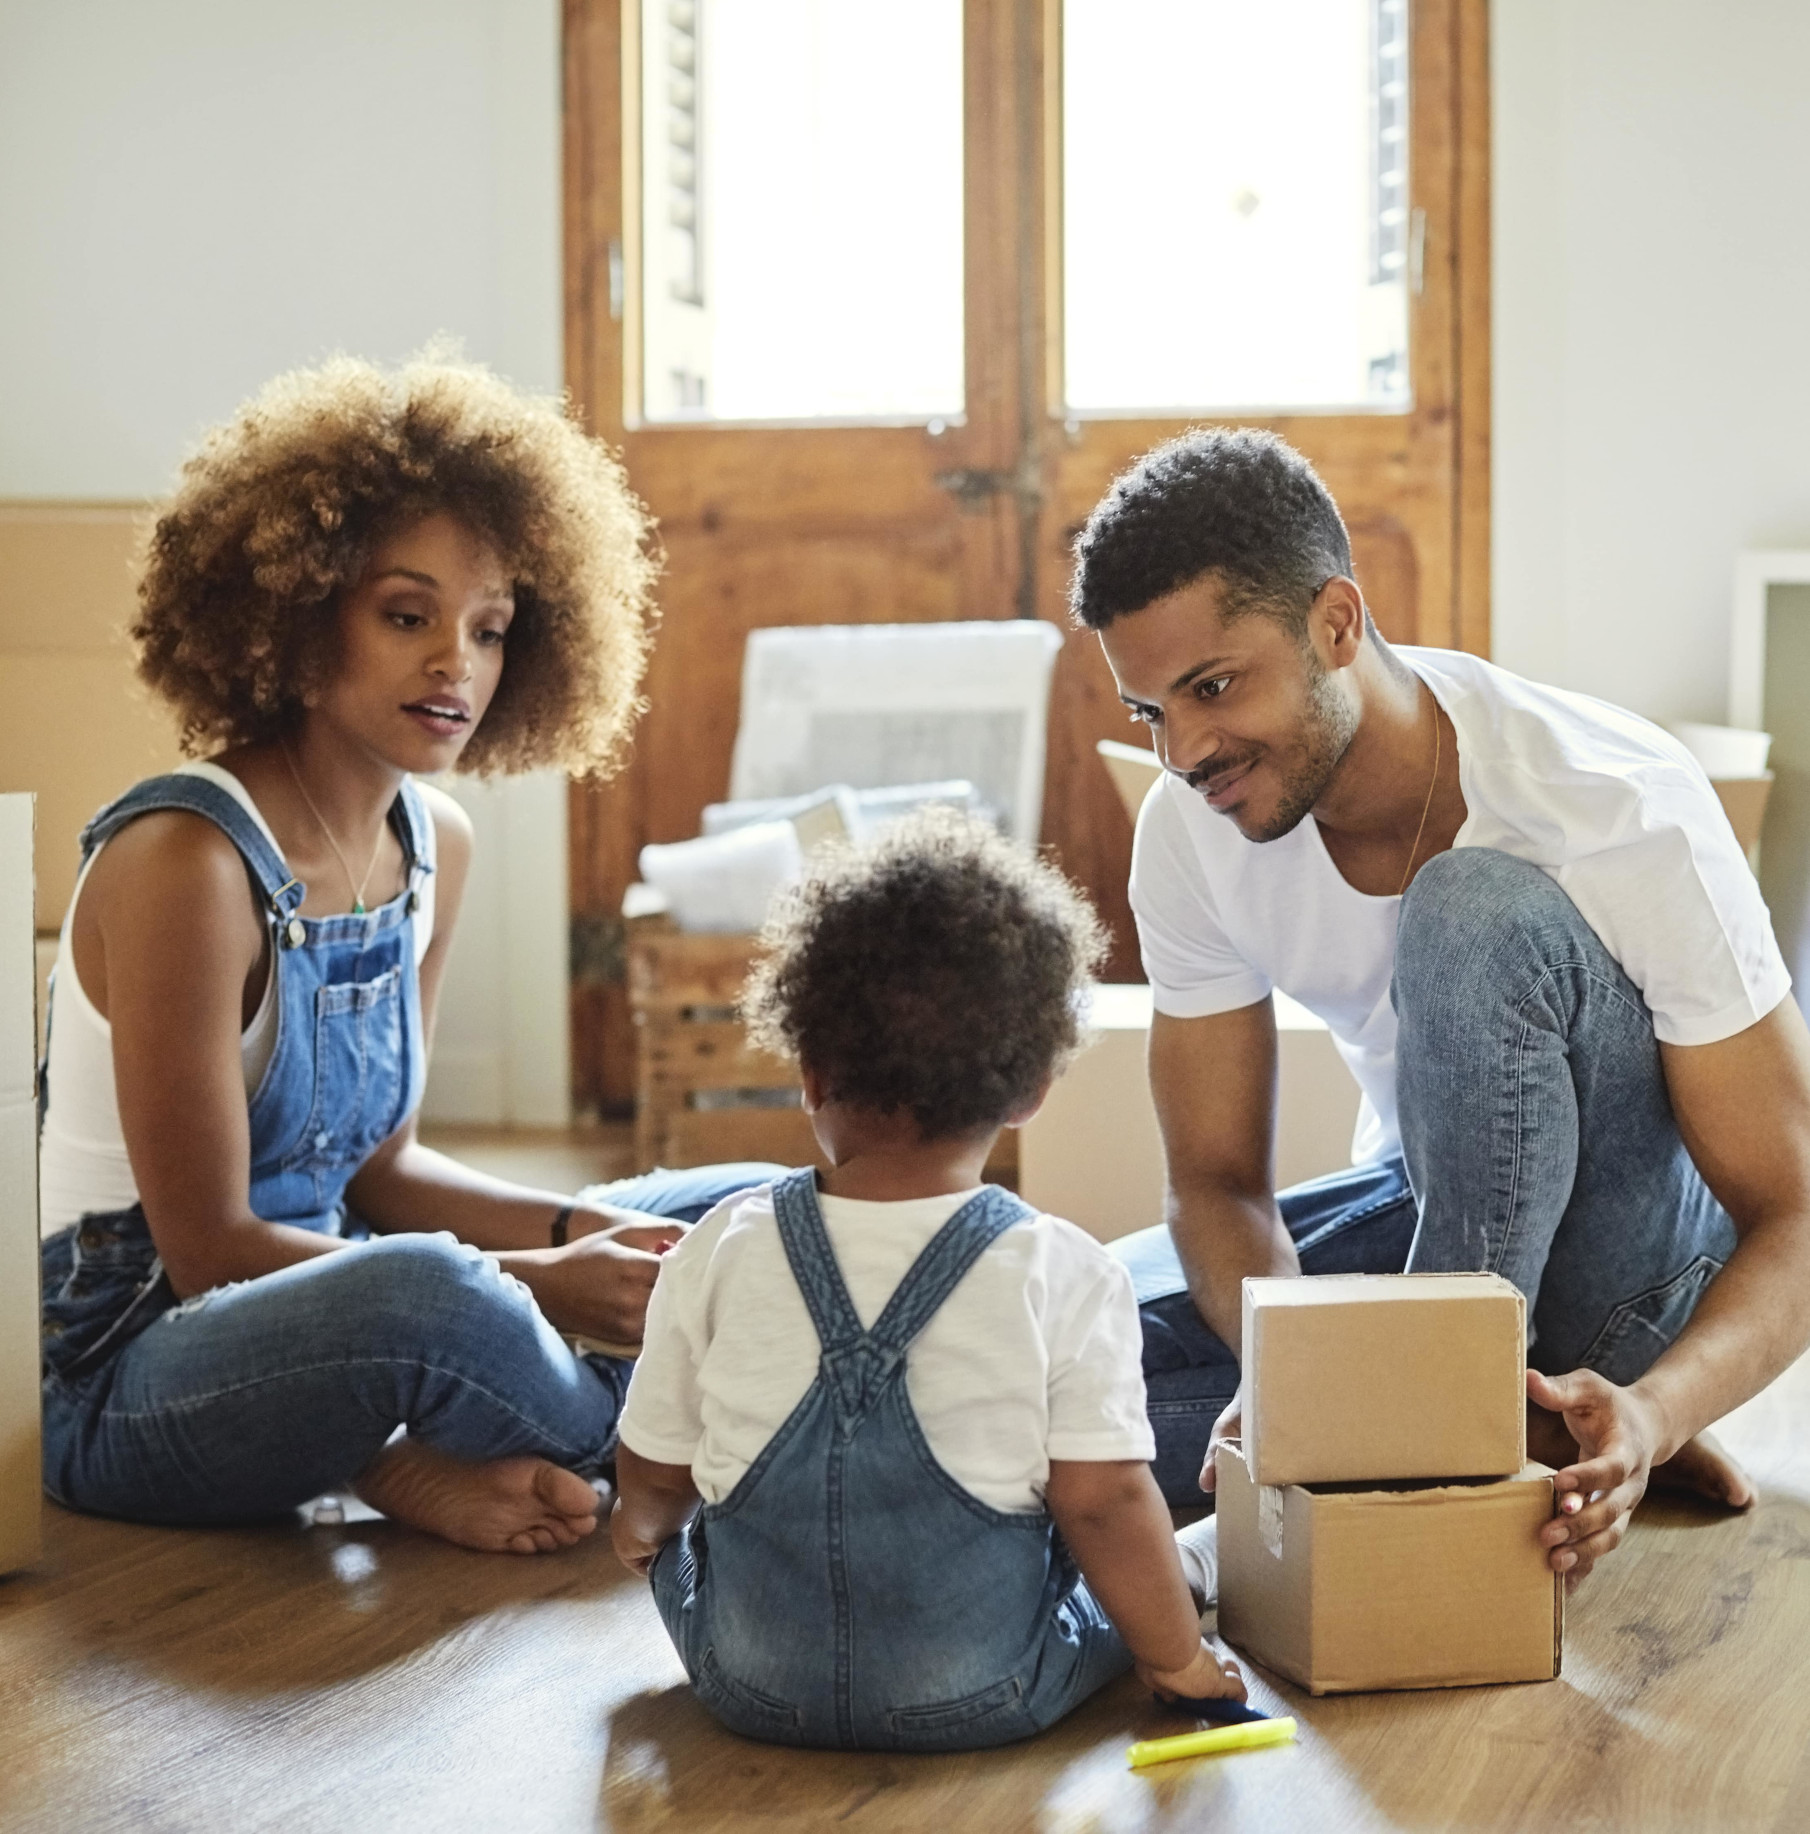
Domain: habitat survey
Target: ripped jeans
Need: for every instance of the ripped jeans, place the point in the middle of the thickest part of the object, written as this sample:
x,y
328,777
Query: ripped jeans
x,y
240,1403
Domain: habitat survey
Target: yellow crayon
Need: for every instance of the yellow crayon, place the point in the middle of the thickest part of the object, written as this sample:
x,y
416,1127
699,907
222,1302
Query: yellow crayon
x,y
1204,1744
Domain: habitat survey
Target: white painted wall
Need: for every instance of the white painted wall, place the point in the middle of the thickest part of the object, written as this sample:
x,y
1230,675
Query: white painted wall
x,y
1651,344
196,194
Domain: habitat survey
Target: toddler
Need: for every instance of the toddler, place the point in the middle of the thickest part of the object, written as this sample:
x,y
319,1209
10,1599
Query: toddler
x,y
911,1407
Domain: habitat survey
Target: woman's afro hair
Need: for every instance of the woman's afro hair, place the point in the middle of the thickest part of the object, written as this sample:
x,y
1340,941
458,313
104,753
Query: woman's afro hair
x,y
277,514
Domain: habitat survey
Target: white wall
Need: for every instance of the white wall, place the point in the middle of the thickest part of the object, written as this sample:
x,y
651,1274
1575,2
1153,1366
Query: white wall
x,y
196,194
1651,340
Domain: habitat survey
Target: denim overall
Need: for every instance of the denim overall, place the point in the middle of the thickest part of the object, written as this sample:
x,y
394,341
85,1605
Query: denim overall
x,y
345,1072
347,1068
848,1592
243,1401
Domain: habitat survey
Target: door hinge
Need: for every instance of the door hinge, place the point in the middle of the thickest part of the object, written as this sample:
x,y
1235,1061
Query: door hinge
x,y
975,488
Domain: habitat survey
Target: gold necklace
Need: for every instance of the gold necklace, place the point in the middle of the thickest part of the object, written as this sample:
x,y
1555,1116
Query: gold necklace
x,y
358,889
1432,783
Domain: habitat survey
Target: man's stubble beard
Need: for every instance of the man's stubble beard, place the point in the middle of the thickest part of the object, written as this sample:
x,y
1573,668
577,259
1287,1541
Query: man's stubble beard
x,y
1325,736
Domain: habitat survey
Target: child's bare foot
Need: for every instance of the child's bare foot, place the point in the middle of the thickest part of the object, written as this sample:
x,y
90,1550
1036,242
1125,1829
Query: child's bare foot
x,y
1704,1468
504,1505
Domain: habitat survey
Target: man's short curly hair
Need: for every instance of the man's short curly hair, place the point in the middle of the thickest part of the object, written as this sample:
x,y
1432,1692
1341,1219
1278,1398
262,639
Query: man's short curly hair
x,y
1243,505
277,514
940,970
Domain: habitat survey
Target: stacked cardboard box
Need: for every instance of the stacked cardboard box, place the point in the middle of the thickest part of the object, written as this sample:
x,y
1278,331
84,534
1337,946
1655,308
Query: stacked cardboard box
x,y
20,1474
1379,1523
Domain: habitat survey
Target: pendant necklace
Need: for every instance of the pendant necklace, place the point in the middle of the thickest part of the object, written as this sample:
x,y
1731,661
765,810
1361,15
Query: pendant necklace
x,y
358,889
1438,740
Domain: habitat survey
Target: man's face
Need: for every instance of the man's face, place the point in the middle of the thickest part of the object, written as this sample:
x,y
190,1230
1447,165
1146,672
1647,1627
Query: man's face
x,y
1243,709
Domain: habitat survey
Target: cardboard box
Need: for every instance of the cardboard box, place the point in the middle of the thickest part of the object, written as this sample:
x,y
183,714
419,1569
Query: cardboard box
x,y
21,1476
1093,1153
1346,1588
1744,802
1359,1377
67,593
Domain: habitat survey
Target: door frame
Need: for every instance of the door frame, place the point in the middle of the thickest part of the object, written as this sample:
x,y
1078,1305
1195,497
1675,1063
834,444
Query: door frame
x,y
1032,477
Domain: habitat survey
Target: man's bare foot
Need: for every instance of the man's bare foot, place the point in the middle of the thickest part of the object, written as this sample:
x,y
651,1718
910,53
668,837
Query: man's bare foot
x,y
1704,1467
505,1505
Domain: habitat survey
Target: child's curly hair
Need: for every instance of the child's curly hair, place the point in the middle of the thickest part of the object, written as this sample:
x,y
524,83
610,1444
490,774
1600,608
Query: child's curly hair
x,y
940,970
277,514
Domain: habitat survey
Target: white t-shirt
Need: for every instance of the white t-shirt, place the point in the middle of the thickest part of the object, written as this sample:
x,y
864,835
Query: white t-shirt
x,y
1035,1355
1618,812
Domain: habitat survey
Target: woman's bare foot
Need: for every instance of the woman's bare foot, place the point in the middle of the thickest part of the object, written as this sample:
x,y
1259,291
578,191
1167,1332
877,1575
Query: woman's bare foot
x,y
1704,1467
504,1505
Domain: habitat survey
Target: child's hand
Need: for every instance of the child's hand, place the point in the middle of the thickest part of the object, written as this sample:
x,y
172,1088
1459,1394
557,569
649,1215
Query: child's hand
x,y
634,1553
1207,1677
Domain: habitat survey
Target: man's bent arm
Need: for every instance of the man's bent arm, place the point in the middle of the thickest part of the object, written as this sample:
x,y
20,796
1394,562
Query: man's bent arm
x,y
1743,1110
1213,1081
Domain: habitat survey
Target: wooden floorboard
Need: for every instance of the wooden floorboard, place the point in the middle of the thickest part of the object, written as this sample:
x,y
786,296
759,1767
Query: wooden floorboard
x,y
364,1678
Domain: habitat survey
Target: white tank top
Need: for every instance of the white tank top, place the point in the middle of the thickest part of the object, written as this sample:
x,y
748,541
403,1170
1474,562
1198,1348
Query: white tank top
x,y
83,1166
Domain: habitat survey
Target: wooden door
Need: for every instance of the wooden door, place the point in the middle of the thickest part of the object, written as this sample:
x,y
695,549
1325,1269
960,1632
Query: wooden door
x,y
970,516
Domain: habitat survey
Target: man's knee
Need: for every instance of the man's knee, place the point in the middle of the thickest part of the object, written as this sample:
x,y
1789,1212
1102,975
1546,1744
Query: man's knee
x,y
1472,913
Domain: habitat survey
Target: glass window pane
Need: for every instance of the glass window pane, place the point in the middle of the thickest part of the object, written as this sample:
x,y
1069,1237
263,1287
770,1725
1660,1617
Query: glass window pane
x,y
1235,204
802,209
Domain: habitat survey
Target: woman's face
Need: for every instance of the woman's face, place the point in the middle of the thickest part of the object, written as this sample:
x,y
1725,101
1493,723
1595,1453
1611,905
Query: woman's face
x,y
420,648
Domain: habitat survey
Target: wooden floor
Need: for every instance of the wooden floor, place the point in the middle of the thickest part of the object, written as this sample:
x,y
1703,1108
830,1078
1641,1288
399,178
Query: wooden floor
x,y
364,1678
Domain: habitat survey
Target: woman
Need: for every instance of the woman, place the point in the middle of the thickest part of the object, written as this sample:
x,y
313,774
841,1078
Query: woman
x,y
362,578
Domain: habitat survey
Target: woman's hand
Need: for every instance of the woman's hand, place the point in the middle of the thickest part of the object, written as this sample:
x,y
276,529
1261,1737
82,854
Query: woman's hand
x,y
598,1285
612,1219
1207,1677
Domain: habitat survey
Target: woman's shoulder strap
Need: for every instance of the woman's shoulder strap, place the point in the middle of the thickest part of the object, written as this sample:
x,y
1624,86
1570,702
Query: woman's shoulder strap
x,y
197,795
414,822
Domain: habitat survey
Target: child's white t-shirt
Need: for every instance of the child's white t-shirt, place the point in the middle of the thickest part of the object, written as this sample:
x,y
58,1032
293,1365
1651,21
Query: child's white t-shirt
x,y
1036,1354
1617,811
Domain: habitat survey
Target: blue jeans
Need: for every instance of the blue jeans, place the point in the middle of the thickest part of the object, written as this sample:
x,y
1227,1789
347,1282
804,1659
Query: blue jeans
x,y
1537,1142
242,1402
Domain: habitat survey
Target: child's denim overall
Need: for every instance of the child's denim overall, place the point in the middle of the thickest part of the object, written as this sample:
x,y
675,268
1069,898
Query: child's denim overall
x,y
848,1592
246,1400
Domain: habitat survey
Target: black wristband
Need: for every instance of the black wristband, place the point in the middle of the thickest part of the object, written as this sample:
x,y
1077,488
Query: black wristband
x,y
560,1225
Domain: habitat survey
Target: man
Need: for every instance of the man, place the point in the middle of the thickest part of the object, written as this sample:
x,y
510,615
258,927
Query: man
x,y
1534,938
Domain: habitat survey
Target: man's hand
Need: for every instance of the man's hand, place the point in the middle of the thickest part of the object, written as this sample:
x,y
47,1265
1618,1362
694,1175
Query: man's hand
x,y
1229,1425
598,1286
1619,1435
